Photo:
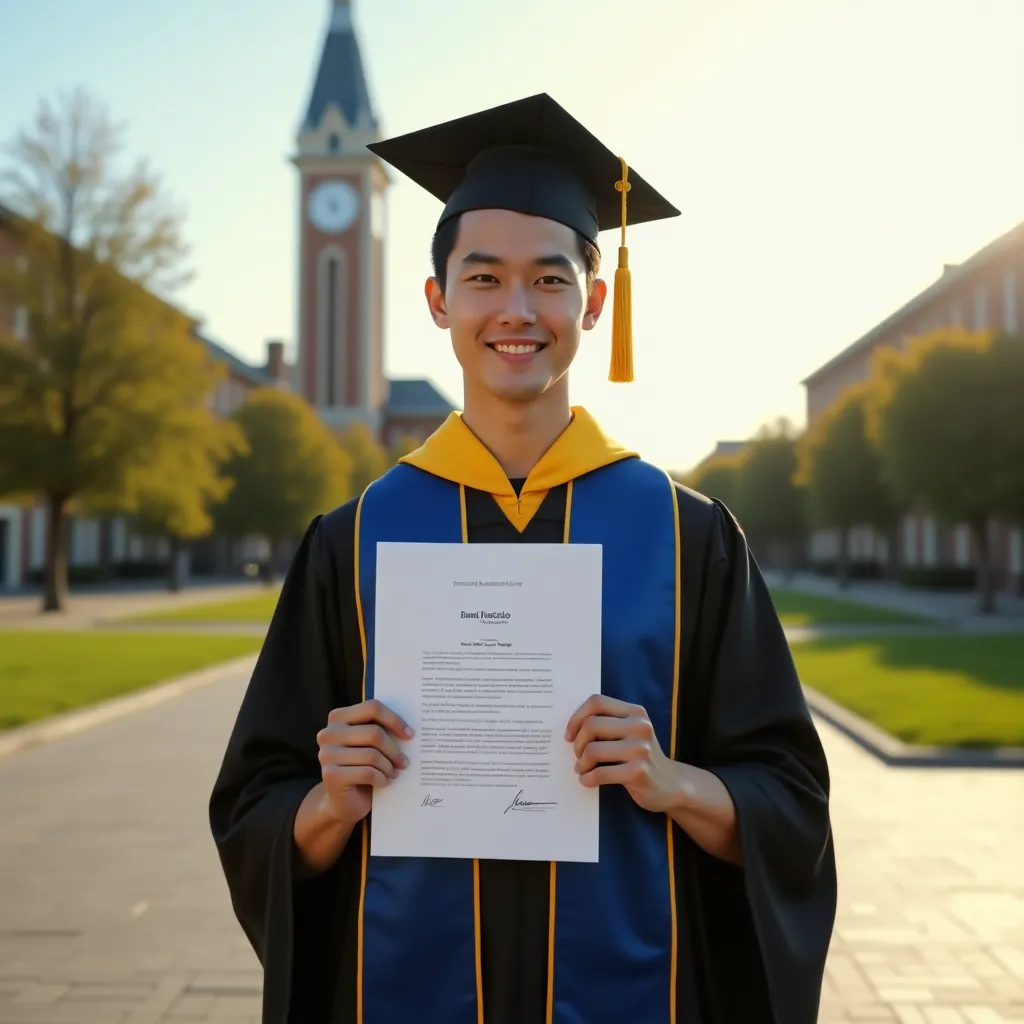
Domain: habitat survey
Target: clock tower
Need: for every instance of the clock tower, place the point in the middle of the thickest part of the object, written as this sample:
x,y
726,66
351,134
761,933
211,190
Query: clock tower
x,y
341,208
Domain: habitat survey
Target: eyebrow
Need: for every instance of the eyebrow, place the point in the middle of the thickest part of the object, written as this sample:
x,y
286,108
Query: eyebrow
x,y
553,260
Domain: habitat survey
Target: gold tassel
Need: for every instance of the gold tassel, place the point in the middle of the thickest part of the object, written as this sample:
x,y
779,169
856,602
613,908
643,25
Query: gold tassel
x,y
621,371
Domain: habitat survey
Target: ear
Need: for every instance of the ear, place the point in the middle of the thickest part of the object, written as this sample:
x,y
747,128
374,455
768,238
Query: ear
x,y
595,304
436,302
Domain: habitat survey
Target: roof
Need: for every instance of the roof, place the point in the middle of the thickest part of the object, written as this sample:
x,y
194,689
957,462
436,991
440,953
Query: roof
x,y
416,398
952,276
729,447
254,374
341,79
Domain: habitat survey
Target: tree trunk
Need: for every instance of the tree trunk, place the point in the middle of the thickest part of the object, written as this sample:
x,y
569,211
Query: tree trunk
x,y
788,556
106,560
176,566
843,564
895,559
55,591
986,583
269,565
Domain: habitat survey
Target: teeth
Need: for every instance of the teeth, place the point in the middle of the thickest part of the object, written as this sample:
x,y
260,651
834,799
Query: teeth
x,y
517,350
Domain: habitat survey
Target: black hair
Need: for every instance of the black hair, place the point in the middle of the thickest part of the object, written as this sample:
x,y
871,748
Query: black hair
x,y
446,235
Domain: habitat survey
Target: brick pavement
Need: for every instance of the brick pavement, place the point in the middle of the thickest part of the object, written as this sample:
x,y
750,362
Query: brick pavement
x,y
113,911
87,609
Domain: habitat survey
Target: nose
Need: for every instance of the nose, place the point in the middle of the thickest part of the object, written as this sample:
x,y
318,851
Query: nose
x,y
517,310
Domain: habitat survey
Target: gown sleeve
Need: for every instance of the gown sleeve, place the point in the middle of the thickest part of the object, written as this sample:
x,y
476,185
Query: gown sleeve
x,y
770,921
269,766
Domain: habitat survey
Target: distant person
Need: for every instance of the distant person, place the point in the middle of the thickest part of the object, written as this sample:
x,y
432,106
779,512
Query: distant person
x,y
714,897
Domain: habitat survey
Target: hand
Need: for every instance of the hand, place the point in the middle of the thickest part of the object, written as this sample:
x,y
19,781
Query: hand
x,y
358,752
615,743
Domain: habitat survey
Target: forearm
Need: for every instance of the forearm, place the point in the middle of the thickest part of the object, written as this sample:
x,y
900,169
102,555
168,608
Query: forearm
x,y
320,837
704,810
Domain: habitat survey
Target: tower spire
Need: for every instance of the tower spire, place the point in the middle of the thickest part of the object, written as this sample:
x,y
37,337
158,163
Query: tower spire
x,y
341,15
341,79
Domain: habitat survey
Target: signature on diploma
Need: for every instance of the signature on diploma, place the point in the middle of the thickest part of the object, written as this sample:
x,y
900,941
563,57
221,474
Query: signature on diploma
x,y
431,801
520,803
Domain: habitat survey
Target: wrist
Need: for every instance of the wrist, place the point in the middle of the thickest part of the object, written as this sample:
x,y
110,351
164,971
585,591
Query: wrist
x,y
684,791
330,815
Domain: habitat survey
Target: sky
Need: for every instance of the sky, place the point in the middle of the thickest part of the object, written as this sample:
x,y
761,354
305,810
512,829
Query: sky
x,y
828,157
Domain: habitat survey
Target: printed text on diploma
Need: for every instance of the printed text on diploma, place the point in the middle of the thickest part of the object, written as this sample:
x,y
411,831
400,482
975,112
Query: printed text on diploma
x,y
485,716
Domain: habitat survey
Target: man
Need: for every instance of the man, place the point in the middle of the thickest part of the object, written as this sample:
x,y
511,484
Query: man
x,y
714,896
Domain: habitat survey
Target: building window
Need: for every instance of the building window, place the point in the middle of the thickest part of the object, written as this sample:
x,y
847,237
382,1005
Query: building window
x,y
962,546
930,542
21,323
980,310
910,540
334,143
1010,300
332,326
332,309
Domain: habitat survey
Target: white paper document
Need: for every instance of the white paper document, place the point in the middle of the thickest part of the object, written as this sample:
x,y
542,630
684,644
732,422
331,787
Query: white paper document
x,y
486,650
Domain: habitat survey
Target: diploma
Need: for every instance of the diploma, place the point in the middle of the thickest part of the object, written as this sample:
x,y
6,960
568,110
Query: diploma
x,y
486,650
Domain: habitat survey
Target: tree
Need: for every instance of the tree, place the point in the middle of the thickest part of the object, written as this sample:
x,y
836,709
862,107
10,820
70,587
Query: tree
x,y
406,444
945,416
86,398
1007,354
770,500
718,476
176,499
292,469
841,473
368,457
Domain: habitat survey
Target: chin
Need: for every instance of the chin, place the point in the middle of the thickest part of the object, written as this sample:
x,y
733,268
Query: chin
x,y
518,390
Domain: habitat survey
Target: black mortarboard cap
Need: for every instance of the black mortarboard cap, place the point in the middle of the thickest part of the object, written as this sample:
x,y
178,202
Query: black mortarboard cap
x,y
531,156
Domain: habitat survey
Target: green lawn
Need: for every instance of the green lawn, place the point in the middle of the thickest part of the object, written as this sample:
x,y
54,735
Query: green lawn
x,y
44,672
965,691
258,608
797,609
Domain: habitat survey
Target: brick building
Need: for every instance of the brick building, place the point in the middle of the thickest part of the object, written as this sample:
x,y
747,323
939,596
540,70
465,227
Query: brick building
x,y
340,331
95,546
986,291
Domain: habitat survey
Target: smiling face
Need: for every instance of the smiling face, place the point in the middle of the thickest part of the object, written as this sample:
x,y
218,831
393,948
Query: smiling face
x,y
515,300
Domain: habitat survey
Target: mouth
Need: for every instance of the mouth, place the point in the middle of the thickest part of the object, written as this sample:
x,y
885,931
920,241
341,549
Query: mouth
x,y
516,349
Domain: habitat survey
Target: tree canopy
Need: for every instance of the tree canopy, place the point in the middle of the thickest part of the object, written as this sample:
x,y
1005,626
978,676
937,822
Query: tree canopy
x,y
841,473
91,400
944,414
292,469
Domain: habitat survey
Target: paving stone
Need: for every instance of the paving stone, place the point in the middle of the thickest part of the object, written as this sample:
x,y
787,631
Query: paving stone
x,y
121,916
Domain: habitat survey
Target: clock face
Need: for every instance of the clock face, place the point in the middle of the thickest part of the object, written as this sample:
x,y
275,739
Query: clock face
x,y
333,206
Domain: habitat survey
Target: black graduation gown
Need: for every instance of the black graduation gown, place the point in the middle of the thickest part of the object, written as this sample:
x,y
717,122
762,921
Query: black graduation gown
x,y
753,940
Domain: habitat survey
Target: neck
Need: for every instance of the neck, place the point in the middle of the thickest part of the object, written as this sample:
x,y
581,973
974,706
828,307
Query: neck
x,y
518,434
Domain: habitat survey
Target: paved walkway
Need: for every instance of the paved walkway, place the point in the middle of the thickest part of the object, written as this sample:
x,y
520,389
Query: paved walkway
x,y
87,610
957,608
113,910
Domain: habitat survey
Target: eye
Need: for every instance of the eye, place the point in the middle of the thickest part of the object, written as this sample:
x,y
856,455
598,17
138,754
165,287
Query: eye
x,y
552,279
483,278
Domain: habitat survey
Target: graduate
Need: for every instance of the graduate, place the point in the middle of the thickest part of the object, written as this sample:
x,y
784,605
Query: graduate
x,y
714,897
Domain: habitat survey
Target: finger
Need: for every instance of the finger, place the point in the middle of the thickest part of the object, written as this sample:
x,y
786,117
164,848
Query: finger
x,y
369,736
601,727
609,752
599,704
358,775
355,756
371,711
626,774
